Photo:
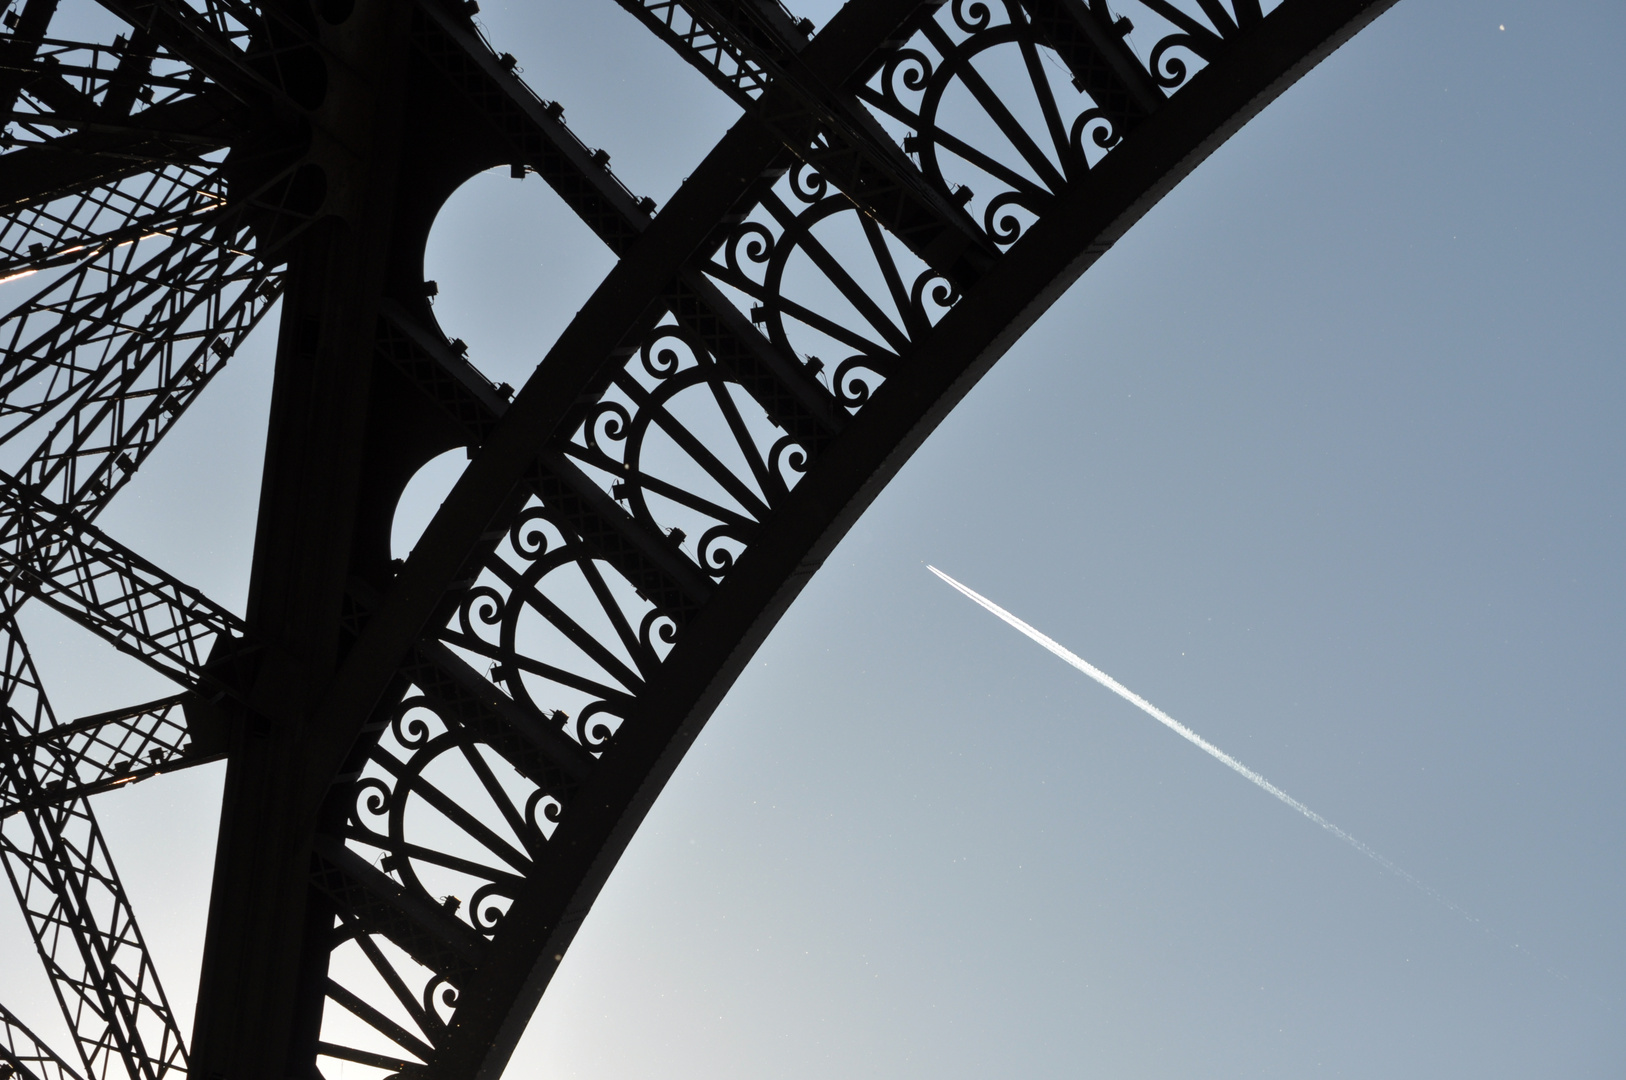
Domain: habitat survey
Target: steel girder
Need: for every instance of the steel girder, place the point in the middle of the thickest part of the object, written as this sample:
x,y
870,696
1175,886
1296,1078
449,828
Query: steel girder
x,y
631,523
27,1057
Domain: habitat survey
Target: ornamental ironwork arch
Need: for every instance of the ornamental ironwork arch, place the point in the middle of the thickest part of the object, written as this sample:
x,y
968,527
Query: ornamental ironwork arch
x,y
434,763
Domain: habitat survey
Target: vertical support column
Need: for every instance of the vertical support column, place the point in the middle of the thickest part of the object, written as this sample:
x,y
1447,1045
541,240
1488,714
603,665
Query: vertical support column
x,y
259,1002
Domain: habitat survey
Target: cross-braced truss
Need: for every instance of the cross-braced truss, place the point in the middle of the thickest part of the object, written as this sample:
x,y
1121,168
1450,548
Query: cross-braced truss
x,y
434,764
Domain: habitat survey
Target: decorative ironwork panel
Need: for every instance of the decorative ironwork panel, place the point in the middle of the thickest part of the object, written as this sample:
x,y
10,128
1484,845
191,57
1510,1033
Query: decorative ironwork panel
x,y
455,775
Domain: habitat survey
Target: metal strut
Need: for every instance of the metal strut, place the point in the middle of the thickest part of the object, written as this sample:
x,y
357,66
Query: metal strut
x,y
27,1055
76,908
152,282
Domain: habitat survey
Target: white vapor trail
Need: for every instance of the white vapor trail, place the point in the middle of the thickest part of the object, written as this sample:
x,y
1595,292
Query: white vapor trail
x,y
1195,739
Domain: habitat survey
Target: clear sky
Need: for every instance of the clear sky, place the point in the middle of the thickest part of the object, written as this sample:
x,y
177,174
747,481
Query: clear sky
x,y
1324,459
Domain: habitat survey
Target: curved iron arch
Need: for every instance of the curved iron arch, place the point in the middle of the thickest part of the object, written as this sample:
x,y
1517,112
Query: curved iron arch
x,y
678,455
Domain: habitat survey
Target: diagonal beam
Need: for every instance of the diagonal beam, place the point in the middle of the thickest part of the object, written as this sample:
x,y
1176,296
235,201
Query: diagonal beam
x,y
86,934
429,934
242,47
181,132
70,107
535,135
76,909
91,321
58,232
729,59
60,558
121,407
27,1055
133,74
529,740
534,747
531,130
647,559
58,862
1090,41
19,48
825,126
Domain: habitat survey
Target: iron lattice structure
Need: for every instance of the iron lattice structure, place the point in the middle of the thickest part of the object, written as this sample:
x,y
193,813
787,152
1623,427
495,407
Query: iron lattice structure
x,y
434,764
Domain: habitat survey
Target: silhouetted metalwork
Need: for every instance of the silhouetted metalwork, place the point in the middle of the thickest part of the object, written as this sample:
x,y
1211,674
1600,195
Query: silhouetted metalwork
x,y
434,764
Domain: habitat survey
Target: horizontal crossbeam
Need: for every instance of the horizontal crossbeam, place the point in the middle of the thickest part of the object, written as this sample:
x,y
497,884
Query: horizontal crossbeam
x,y
103,752
242,47
183,132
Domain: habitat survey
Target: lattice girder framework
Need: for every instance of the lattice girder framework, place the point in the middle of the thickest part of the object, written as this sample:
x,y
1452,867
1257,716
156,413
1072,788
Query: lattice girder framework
x,y
99,753
85,931
117,208
434,765
29,1058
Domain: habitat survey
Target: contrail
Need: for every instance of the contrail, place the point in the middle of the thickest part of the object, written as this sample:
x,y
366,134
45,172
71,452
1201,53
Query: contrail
x,y
1197,740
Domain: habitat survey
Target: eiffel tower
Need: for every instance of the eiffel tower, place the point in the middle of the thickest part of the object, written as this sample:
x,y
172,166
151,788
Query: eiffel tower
x,y
434,763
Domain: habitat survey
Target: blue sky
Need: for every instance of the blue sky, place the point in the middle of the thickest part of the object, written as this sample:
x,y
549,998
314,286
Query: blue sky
x,y
1324,458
